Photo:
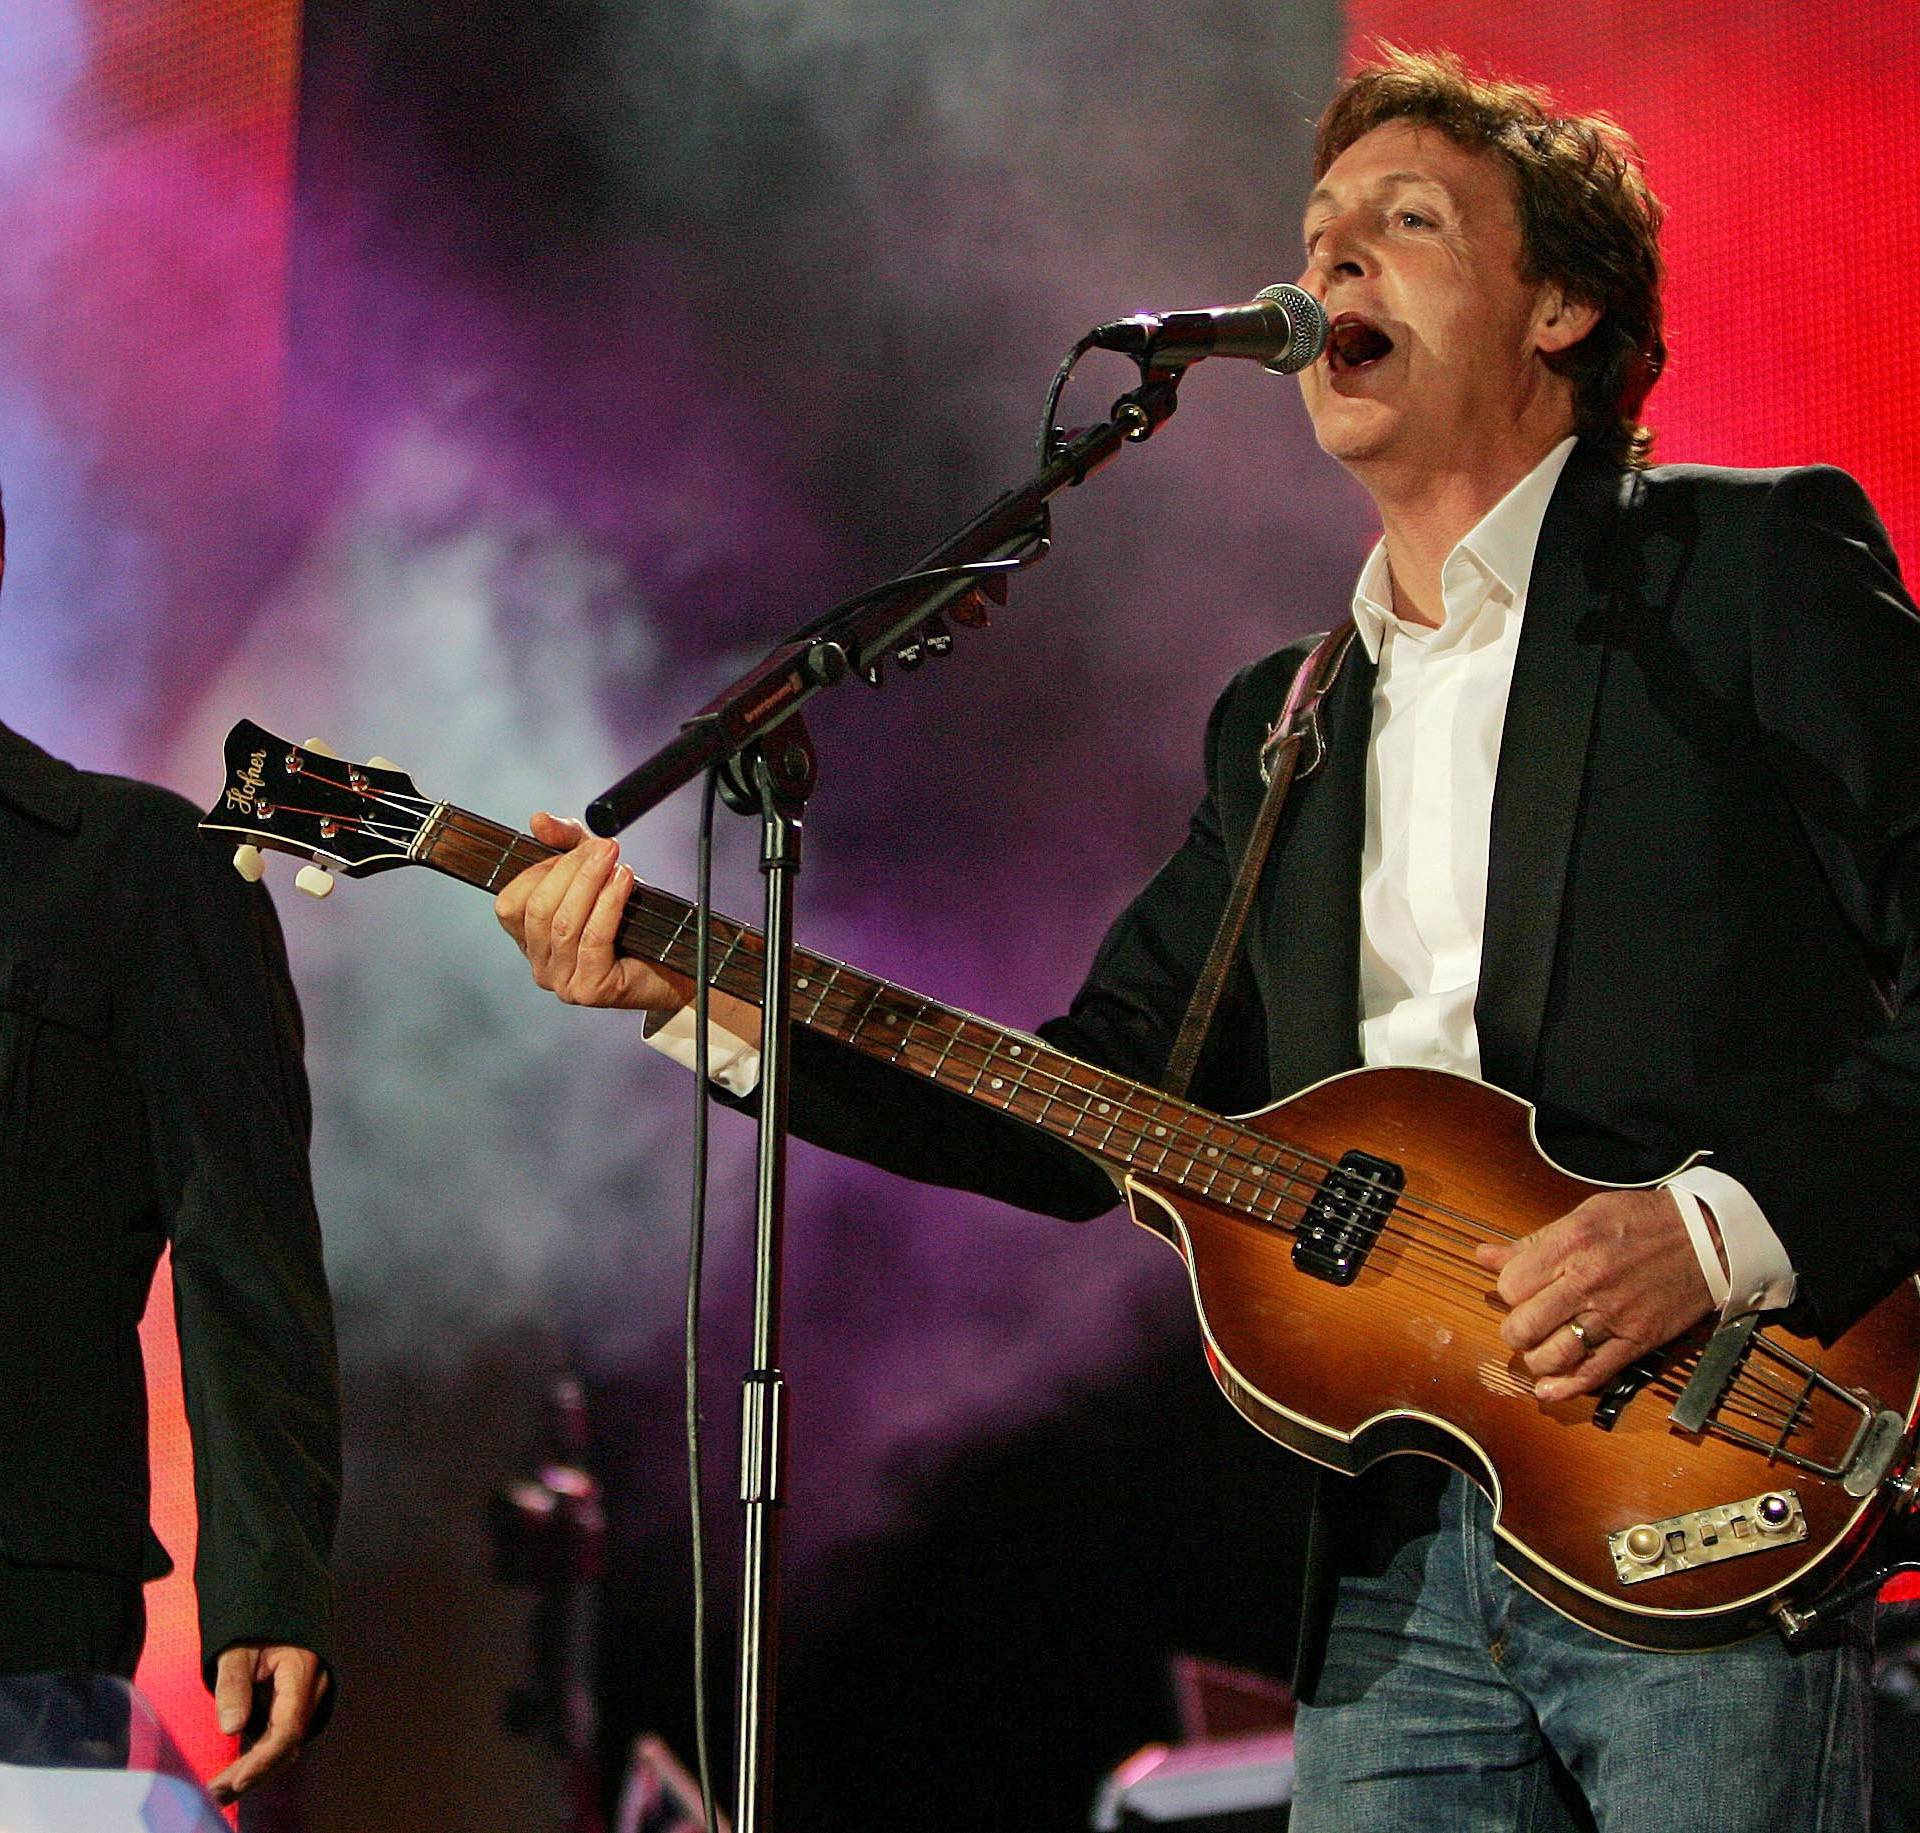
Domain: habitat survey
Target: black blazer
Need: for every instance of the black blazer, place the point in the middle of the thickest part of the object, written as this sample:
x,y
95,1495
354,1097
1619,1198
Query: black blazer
x,y
151,1090
1703,888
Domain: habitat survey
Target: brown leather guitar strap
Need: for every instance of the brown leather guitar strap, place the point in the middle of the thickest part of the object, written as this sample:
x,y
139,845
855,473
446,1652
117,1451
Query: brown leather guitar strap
x,y
1279,760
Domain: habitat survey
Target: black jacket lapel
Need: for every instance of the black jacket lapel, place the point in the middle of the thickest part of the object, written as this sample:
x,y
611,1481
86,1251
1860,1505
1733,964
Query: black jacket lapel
x,y
1543,754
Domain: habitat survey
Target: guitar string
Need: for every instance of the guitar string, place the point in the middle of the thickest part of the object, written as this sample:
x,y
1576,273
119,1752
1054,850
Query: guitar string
x,y
645,919
1437,1284
648,922
846,1004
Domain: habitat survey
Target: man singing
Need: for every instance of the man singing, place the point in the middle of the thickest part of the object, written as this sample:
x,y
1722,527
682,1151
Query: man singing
x,y
151,1093
1621,812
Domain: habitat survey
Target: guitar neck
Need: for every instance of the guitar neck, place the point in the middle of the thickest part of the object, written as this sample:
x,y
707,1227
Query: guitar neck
x,y
1125,1124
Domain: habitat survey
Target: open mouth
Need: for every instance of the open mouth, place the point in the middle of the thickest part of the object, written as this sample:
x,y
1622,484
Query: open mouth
x,y
1352,343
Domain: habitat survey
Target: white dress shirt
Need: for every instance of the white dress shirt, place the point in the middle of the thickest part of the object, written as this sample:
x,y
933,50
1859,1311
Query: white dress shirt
x,y
1440,701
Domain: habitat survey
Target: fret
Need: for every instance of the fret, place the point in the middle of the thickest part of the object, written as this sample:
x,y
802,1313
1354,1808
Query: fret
x,y
809,982
946,1050
979,1075
826,987
493,880
905,1031
680,929
997,1087
1166,1145
1046,1101
1103,1109
1216,1159
717,972
866,1011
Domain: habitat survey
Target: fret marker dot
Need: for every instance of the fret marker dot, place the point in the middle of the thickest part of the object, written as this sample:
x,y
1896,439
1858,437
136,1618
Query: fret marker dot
x,y
996,1083
1101,1107
803,984
1159,1132
1213,1151
1013,1050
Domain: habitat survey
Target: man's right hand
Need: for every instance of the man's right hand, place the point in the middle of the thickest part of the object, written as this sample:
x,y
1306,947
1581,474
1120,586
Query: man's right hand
x,y
565,915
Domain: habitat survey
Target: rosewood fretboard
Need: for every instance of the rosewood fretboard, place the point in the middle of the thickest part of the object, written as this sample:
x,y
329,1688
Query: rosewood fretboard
x,y
1124,1123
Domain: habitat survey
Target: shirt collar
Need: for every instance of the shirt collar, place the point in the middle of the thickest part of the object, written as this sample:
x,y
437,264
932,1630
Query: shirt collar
x,y
36,784
1502,544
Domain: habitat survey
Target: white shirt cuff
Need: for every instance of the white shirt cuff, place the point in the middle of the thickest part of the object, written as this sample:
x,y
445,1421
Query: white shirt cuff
x,y
731,1061
1758,1275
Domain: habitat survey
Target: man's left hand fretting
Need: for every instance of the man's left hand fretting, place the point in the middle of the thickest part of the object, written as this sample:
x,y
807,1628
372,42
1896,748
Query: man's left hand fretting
x,y
1621,1268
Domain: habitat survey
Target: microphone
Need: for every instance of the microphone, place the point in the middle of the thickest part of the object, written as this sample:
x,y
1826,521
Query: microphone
x,y
1283,328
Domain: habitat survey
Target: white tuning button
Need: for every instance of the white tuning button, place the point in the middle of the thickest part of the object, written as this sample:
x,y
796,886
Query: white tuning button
x,y
319,747
315,881
382,763
250,863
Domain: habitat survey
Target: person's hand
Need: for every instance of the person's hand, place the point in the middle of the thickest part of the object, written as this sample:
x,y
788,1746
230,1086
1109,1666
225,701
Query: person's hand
x,y
1621,1266
292,1680
565,915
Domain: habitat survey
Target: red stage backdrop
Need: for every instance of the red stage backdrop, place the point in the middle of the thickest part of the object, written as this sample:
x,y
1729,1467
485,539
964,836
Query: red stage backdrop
x,y
1785,157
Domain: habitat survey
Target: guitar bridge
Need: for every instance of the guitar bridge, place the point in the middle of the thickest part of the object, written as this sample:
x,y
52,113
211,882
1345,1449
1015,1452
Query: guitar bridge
x,y
1346,1216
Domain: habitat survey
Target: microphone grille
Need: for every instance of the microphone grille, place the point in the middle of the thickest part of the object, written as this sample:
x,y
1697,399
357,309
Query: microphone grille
x,y
1305,320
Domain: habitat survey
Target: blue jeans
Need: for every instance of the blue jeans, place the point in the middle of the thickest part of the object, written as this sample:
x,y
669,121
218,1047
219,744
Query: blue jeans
x,y
1454,1700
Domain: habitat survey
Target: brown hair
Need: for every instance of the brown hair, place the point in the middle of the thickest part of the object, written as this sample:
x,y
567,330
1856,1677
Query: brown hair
x,y
1589,224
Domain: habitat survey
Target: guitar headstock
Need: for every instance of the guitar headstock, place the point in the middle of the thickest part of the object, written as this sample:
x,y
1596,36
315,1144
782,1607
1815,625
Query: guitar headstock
x,y
347,817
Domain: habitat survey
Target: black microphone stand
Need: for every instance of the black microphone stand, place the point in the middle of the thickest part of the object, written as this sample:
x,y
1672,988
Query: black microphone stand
x,y
753,735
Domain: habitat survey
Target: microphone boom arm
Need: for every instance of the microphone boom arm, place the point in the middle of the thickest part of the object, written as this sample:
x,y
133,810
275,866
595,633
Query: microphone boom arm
x,y
860,634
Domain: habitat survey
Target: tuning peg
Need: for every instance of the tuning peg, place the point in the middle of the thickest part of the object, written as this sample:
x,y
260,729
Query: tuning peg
x,y
315,881
319,747
250,863
381,763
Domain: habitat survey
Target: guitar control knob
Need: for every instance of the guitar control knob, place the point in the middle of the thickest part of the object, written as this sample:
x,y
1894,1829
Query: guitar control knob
x,y
1774,1513
314,881
250,863
1645,1544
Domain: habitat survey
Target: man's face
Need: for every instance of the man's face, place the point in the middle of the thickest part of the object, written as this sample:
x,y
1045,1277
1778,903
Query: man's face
x,y
1413,246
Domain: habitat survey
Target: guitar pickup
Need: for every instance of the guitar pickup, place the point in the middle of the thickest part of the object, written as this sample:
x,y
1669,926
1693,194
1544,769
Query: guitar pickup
x,y
1346,1216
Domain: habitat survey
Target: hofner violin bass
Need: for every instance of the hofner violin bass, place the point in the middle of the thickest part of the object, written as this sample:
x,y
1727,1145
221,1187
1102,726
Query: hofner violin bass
x,y
1720,1485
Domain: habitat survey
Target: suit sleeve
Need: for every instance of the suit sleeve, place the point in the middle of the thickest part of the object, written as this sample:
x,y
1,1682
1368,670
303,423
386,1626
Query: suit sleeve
x,y
1836,681
1125,1018
218,1042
